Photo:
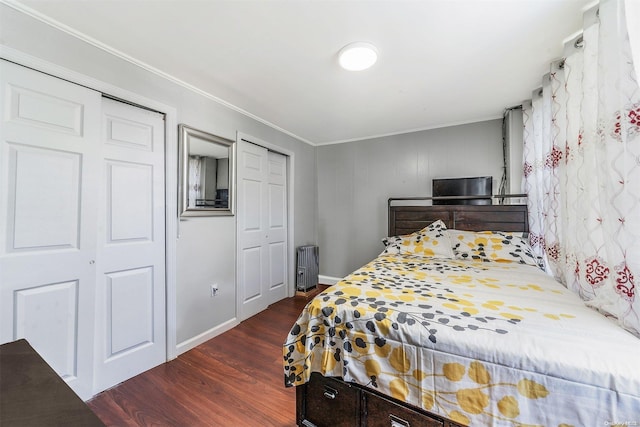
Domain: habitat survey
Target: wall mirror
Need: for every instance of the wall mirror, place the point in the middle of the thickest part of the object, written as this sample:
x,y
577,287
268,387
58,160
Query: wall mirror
x,y
206,173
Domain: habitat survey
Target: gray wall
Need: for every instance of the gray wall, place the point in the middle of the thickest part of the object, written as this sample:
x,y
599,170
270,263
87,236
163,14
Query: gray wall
x,y
342,190
356,179
206,248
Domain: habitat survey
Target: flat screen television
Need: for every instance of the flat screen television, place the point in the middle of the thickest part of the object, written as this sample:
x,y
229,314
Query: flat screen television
x,y
475,187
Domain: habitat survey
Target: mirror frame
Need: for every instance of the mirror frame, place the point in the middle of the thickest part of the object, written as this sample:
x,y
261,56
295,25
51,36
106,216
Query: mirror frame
x,y
185,133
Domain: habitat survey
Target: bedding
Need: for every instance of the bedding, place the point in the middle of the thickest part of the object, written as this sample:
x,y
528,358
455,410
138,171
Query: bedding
x,y
481,343
493,246
433,241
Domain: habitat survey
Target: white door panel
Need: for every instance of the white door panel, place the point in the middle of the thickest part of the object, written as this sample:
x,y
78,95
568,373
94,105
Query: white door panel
x,y
52,219
129,207
129,133
253,162
277,271
50,109
48,218
277,232
130,302
262,228
252,201
130,315
253,257
277,207
277,168
252,277
48,316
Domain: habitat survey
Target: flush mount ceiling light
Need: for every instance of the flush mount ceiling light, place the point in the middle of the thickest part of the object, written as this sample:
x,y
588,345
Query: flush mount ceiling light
x,y
358,56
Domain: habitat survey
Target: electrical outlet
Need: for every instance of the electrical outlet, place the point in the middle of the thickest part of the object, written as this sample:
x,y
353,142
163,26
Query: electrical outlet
x,y
214,290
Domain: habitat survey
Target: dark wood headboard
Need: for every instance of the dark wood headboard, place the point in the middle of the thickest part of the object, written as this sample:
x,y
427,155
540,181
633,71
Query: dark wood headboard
x,y
407,219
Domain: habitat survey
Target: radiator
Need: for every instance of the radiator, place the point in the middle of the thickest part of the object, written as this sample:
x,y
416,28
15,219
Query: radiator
x,y
307,267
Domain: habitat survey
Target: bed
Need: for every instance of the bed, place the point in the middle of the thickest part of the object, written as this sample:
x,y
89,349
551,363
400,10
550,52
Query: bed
x,y
456,325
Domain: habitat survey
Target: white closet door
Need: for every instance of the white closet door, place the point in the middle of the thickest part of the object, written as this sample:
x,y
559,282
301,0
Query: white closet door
x,y
82,246
48,211
130,310
251,203
276,237
262,228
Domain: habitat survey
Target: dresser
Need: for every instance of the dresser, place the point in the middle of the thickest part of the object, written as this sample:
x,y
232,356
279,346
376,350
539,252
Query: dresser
x,y
33,394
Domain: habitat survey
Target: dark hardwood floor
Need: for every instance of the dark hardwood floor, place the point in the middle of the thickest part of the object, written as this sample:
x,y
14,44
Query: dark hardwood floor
x,y
234,379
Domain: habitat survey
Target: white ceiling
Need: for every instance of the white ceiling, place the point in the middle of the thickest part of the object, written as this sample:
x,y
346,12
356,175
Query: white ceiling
x,y
441,62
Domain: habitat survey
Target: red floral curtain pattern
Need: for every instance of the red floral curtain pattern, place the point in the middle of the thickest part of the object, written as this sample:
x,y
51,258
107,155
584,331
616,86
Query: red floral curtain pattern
x,y
582,167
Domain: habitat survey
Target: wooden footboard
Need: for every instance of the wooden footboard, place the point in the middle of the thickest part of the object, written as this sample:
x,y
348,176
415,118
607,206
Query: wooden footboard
x,y
331,402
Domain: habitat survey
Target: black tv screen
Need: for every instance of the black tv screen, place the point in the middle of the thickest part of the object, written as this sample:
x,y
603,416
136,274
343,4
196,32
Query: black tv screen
x,y
474,187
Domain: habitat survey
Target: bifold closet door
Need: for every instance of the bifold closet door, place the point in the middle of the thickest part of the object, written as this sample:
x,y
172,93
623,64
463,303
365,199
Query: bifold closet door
x,y
276,238
262,228
82,242
48,218
130,281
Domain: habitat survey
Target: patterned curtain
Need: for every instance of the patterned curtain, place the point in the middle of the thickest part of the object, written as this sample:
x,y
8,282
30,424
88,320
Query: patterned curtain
x,y
195,173
582,167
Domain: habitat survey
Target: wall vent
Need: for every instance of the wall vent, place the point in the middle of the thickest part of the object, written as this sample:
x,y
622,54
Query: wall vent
x,y
307,268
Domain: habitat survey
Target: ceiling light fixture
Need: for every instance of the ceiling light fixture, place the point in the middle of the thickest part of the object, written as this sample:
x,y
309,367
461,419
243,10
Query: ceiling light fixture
x,y
358,56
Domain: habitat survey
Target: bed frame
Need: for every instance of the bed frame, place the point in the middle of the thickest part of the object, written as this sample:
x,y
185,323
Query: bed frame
x,y
407,219
332,402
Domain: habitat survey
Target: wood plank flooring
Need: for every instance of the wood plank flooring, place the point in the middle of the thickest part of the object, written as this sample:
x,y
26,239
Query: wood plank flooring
x,y
234,379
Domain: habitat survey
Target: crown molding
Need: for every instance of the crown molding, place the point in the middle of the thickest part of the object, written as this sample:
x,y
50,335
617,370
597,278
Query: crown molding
x,y
119,54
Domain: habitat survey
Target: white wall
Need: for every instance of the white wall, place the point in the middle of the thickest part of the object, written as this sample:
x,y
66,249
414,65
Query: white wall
x,y
206,247
356,179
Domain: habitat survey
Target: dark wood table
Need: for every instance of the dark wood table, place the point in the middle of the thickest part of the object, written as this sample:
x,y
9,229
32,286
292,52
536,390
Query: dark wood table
x,y
33,394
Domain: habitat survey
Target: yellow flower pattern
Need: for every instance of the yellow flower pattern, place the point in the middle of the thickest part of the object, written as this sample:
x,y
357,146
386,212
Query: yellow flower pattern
x,y
425,332
431,241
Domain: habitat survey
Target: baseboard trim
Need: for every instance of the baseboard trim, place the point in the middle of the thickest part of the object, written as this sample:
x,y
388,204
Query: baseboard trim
x,y
328,280
206,336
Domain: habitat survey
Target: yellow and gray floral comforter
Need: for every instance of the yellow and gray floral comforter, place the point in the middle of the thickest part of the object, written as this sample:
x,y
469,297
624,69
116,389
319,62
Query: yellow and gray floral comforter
x,y
483,344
